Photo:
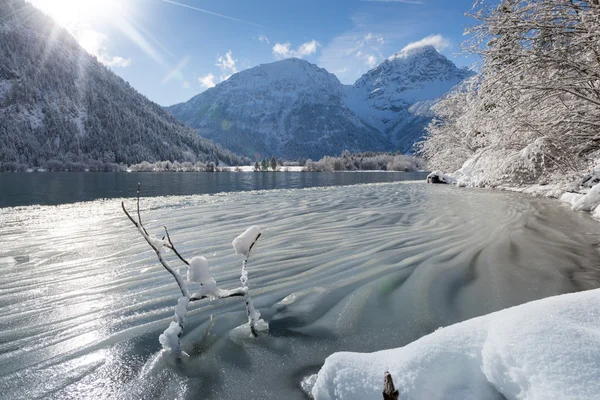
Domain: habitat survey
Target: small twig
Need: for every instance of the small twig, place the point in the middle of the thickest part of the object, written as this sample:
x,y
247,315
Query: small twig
x,y
172,247
138,209
221,294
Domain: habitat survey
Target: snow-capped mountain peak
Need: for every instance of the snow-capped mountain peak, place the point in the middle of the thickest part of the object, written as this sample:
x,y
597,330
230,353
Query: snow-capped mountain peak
x,y
292,108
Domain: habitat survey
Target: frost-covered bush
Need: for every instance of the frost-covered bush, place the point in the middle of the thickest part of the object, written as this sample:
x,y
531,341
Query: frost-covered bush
x,y
367,161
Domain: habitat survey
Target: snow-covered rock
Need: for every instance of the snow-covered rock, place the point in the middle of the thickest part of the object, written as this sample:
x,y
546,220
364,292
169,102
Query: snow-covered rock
x,y
292,108
590,201
436,177
546,349
243,243
571,198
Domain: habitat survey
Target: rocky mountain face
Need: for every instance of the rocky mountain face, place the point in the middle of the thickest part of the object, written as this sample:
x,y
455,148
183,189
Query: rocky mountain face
x,y
59,105
293,108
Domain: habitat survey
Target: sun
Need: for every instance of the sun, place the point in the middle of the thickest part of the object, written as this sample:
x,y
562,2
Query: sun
x,y
70,13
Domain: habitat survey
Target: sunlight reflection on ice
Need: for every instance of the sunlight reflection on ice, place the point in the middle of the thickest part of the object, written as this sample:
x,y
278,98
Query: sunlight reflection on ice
x,y
357,268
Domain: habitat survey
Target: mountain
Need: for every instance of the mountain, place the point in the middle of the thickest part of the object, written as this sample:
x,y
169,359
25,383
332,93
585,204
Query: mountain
x,y
396,96
292,108
60,105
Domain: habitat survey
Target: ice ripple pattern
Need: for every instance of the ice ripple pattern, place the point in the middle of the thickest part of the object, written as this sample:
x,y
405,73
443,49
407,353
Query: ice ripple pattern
x,y
360,268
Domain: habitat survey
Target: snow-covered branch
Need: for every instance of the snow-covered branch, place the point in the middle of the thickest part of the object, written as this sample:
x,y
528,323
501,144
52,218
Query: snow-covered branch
x,y
198,272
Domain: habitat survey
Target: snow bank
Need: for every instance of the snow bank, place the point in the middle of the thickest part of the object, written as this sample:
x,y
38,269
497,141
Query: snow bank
x,y
547,349
588,202
243,243
571,198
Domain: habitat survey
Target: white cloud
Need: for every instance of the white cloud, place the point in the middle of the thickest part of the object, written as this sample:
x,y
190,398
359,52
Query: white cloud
x,y
437,41
284,50
371,61
227,64
207,81
95,43
353,54
264,38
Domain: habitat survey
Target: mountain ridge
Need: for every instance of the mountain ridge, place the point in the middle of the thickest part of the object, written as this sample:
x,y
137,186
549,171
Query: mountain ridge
x,y
292,108
59,105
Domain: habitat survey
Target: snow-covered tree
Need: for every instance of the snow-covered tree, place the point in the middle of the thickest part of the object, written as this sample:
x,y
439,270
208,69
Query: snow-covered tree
x,y
534,110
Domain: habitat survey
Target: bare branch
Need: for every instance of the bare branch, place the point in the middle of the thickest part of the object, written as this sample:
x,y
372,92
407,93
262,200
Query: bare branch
x,y
172,247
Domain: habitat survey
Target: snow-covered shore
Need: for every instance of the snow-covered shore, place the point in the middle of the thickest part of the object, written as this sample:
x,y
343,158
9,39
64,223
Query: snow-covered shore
x,y
546,349
539,350
580,193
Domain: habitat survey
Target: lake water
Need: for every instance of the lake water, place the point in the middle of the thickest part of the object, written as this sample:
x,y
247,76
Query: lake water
x,y
366,267
69,187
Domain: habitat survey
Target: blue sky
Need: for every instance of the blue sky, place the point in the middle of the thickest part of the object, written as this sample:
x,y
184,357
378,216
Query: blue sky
x,y
173,50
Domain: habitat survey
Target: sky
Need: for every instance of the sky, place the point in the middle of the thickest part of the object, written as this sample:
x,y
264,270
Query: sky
x,y
171,50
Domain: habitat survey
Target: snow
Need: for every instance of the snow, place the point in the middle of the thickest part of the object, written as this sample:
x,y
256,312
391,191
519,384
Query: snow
x,y
571,198
198,272
244,242
250,168
170,337
588,202
546,349
181,308
242,332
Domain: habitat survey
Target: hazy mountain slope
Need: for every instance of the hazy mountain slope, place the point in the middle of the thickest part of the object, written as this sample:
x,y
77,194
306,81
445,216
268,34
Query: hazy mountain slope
x,y
59,103
292,108
289,108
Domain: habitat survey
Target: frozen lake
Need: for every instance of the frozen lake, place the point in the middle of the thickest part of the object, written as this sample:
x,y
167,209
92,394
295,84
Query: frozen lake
x,y
83,298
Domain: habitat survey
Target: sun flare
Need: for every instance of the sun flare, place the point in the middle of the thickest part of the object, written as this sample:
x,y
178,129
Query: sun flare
x,y
71,13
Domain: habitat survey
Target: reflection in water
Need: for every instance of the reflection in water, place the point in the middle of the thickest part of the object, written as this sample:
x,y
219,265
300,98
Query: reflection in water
x,y
361,268
69,187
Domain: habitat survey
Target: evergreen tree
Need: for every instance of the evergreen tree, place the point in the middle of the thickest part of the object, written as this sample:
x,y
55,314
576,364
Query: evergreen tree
x,y
273,163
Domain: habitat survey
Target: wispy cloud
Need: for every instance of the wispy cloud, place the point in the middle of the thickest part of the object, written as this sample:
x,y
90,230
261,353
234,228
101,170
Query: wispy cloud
x,y
208,81
438,41
352,54
227,65
202,10
264,38
284,50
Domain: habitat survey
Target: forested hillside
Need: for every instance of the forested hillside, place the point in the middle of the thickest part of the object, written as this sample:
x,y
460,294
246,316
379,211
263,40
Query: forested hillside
x,y
59,105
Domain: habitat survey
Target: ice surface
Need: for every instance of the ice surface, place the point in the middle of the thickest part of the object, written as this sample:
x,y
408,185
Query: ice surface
x,y
546,349
243,242
383,265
